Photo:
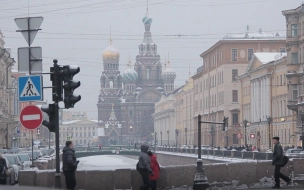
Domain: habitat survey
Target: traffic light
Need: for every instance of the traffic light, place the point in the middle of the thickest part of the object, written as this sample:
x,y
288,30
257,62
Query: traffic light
x,y
50,110
68,72
56,83
225,124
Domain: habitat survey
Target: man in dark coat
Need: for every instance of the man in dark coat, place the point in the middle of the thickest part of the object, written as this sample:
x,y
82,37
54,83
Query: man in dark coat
x,y
278,161
143,166
69,165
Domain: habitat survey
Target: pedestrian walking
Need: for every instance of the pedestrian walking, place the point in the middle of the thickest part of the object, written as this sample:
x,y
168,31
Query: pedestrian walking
x,y
278,162
155,170
69,165
143,166
3,170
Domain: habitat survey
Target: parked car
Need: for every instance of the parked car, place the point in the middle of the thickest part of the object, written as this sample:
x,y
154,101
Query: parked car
x,y
10,179
25,160
294,153
14,161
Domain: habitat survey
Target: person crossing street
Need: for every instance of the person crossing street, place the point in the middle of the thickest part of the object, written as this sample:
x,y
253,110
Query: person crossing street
x,y
278,162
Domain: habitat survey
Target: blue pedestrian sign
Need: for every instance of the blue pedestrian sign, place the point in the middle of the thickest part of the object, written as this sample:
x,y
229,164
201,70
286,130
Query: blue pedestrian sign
x,y
30,88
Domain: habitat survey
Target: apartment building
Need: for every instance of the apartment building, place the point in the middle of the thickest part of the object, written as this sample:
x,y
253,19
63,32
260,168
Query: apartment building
x,y
295,66
216,89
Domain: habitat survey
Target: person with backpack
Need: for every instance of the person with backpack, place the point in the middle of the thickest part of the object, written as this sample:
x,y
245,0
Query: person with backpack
x,y
143,166
155,170
278,161
3,170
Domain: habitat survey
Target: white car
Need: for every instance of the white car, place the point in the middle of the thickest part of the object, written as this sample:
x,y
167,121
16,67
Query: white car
x,y
25,160
14,161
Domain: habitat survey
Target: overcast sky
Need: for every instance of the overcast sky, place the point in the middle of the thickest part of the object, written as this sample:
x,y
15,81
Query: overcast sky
x,y
77,31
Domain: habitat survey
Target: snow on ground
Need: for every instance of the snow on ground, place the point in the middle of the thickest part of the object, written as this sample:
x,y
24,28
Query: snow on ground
x,y
106,162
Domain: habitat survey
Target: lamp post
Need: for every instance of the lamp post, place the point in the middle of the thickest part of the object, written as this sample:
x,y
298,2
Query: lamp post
x,y
176,135
186,135
168,136
302,125
269,121
155,135
245,127
212,134
161,138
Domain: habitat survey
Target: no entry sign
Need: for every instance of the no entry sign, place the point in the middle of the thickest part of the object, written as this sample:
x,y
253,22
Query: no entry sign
x,y
31,117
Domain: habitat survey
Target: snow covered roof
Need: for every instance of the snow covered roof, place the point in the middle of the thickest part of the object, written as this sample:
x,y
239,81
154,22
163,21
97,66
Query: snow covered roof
x,y
75,121
255,35
70,122
266,57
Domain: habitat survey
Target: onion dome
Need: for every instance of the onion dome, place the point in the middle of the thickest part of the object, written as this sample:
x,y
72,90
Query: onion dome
x,y
147,19
168,73
110,52
129,74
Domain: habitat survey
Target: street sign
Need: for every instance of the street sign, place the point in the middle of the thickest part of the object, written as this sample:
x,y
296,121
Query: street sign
x,y
30,88
239,135
29,27
31,117
68,138
34,61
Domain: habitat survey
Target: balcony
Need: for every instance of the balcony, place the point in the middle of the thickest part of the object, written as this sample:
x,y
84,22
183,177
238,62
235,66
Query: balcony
x,y
292,105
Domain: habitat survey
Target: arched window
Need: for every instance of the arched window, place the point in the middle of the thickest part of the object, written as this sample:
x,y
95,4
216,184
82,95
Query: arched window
x,y
148,73
85,142
111,84
80,142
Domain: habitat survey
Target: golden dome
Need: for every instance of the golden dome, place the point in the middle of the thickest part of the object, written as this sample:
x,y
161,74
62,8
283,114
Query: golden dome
x,y
110,52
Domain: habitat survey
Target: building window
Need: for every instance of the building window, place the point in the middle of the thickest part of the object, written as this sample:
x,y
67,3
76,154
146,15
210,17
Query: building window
x,y
235,118
148,73
282,50
130,113
295,90
131,129
234,74
234,96
281,80
234,54
235,139
250,53
294,30
294,58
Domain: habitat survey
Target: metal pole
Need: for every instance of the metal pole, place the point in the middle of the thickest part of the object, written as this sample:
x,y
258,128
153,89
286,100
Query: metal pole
x,y
302,133
155,141
168,137
49,140
245,135
32,149
6,135
199,145
29,43
200,179
57,174
269,137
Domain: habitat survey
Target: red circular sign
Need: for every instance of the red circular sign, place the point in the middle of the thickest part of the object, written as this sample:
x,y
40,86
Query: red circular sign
x,y
31,117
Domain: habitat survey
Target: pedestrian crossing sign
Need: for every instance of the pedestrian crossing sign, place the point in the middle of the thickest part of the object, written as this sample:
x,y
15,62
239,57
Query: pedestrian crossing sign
x,y
30,88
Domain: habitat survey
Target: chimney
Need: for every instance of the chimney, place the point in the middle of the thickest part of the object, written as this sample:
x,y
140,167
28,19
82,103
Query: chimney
x,y
260,30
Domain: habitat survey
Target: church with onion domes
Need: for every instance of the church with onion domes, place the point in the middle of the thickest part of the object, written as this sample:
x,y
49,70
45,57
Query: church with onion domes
x,y
126,100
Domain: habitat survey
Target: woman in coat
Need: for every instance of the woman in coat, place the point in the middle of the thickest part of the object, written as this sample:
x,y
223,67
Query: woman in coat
x,y
155,168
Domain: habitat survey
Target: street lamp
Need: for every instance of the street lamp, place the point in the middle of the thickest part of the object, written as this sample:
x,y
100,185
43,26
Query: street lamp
x,y
161,138
245,126
176,135
269,121
168,136
155,135
186,135
302,120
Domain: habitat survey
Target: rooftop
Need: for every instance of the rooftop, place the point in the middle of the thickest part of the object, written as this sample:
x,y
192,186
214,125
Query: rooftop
x,y
266,57
260,35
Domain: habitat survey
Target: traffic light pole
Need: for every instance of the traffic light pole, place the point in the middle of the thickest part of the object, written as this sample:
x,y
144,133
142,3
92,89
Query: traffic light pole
x,y
57,174
200,179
